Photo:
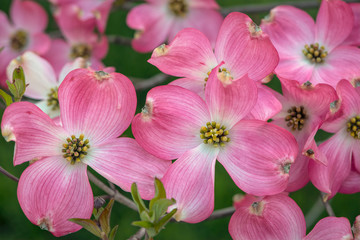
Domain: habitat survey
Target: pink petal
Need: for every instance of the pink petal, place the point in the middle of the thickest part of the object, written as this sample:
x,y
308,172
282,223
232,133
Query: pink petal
x,y
102,14
190,180
152,24
244,48
123,162
51,191
331,228
28,15
58,54
299,175
351,183
189,55
193,85
354,37
258,157
342,63
267,104
5,28
273,217
310,144
68,67
334,23
338,150
295,68
204,4
39,43
170,122
229,100
35,134
289,29
39,74
100,48
349,97
97,104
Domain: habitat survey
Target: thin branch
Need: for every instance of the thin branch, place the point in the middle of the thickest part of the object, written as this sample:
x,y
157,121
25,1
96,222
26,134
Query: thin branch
x,y
259,8
138,235
9,175
327,205
221,213
141,84
115,194
119,40
314,212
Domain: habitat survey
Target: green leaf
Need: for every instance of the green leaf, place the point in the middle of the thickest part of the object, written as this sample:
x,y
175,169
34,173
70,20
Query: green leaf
x,y
6,98
160,207
137,199
18,85
143,224
104,218
113,232
144,216
88,224
159,192
97,212
11,87
161,224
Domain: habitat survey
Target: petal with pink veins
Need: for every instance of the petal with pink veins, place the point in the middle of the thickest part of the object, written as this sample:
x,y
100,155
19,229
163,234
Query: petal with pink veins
x,y
123,162
255,56
273,217
297,68
35,134
229,100
258,157
331,228
354,37
337,149
351,183
289,29
170,122
97,104
189,55
334,23
29,16
190,181
193,85
51,191
349,98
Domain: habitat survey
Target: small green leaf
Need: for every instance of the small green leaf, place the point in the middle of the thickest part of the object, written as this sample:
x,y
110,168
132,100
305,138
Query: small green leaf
x,y
6,98
161,224
88,224
104,218
11,87
137,199
159,192
160,207
113,232
97,212
144,216
18,86
143,224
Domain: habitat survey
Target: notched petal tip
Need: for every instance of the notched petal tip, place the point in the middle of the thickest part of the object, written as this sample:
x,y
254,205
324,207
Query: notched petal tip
x,y
45,224
355,82
307,86
8,134
254,30
285,166
335,106
101,75
147,110
257,208
160,50
268,18
268,78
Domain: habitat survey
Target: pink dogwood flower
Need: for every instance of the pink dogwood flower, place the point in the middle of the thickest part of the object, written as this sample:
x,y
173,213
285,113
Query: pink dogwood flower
x,y
241,44
81,41
178,124
304,108
279,217
354,37
312,51
29,21
159,20
96,108
342,149
93,12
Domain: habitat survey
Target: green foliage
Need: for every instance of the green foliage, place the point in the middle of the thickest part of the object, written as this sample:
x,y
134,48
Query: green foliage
x,y
155,218
18,85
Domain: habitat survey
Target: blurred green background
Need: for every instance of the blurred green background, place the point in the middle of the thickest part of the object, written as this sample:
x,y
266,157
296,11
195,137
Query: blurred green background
x,y
15,226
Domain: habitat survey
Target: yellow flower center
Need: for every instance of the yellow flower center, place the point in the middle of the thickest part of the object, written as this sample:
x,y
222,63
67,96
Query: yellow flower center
x,y
353,127
53,100
75,148
80,50
296,118
179,7
215,134
315,53
19,40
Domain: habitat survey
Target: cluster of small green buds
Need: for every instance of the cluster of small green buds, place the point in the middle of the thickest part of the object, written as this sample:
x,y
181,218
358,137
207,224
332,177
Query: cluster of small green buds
x,y
214,133
353,127
53,99
315,52
75,149
296,118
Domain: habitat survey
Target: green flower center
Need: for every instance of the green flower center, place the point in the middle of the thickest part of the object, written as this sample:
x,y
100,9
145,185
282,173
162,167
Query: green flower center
x,y
215,134
80,50
179,7
353,127
75,148
19,40
53,100
315,53
296,118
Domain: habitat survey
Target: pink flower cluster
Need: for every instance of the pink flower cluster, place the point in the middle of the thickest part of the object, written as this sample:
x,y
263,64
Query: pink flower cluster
x,y
219,110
